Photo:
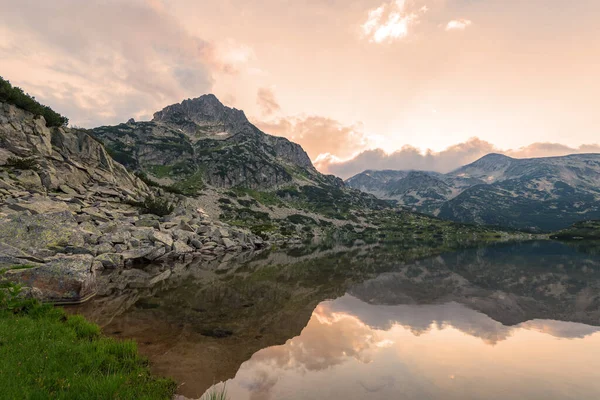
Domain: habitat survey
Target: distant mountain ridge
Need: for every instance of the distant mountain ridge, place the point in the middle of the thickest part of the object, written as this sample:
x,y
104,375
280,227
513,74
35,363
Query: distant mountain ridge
x,y
538,194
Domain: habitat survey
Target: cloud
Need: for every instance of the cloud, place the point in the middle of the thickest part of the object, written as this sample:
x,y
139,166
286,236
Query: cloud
x,y
102,62
409,158
390,21
265,99
458,24
318,135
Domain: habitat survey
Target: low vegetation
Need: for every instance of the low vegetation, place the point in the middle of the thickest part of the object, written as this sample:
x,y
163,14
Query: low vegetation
x,y
16,96
157,206
216,393
45,353
25,266
585,230
22,163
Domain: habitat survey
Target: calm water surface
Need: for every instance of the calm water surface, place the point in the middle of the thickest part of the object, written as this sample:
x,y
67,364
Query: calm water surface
x,y
518,321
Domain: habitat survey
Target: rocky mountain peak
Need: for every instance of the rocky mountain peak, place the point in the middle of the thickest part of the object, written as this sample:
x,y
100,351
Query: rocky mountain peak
x,y
202,114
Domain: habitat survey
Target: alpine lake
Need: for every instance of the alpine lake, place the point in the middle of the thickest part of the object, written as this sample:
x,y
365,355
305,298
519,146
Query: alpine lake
x,y
506,321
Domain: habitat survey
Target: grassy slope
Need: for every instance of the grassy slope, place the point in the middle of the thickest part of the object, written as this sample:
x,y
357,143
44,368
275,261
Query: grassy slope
x,y
46,354
581,230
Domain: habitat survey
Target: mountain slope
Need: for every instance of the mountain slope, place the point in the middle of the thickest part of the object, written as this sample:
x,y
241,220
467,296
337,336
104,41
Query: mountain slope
x,y
202,142
539,194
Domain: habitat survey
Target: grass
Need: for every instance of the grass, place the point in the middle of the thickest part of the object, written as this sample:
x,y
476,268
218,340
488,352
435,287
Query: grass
x,y
265,198
216,394
44,353
4,270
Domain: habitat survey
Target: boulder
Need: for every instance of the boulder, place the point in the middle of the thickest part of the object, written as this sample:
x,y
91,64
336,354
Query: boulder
x,y
159,278
41,231
196,243
156,253
63,279
180,247
161,237
228,243
111,260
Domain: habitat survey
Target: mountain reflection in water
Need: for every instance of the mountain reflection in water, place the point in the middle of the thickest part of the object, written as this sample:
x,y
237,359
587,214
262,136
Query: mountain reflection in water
x,y
353,350
506,321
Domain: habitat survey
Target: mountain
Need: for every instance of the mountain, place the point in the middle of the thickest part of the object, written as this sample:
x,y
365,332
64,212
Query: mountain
x,y
538,194
202,142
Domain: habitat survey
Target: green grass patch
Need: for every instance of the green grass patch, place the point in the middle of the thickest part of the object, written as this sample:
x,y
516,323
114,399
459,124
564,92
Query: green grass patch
x,y
265,198
160,171
26,266
44,353
192,185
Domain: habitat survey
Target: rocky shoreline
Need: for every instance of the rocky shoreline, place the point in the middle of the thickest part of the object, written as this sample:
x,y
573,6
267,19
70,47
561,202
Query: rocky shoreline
x,y
66,238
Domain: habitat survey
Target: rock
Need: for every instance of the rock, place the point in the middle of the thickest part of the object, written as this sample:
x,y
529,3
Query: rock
x,y
228,243
147,222
30,180
104,248
159,278
184,236
119,248
111,260
203,230
137,254
134,278
117,237
63,279
11,255
186,227
95,213
196,243
67,189
180,247
156,253
224,233
41,231
40,206
161,237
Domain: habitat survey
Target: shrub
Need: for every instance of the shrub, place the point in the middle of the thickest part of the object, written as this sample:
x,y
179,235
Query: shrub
x,y
157,206
22,163
17,97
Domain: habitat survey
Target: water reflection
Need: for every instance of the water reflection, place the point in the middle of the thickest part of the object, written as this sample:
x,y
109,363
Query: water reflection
x,y
505,317
353,350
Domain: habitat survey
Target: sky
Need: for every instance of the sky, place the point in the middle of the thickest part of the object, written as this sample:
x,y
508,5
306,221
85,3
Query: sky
x,y
360,84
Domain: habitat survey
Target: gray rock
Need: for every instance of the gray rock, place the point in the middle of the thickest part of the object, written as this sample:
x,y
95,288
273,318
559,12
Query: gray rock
x,y
156,253
228,243
111,260
161,237
180,247
104,248
63,279
67,189
148,222
159,278
196,243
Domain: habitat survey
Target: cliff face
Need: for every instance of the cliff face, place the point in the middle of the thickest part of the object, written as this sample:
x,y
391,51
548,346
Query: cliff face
x,y
64,157
202,142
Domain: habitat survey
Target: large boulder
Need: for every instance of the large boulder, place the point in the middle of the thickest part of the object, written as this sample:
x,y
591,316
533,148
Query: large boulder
x,y
32,233
63,279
